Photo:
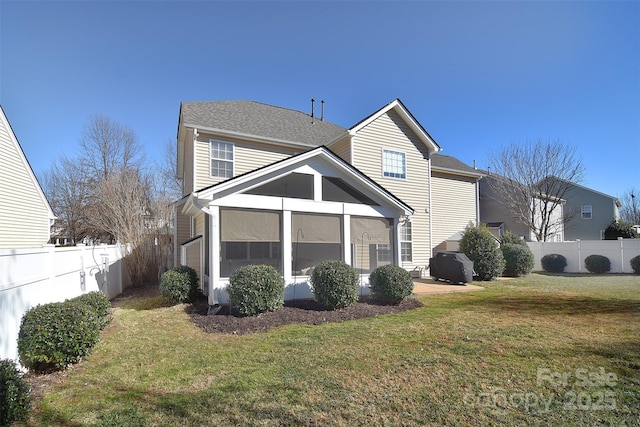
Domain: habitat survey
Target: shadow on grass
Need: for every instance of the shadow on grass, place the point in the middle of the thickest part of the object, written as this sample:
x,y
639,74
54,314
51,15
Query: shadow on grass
x,y
550,304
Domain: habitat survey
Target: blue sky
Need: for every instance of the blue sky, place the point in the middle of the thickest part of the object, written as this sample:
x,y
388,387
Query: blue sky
x,y
477,75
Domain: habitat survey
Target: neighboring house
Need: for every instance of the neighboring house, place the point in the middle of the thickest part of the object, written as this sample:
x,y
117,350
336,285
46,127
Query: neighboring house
x,y
495,213
589,212
269,185
25,214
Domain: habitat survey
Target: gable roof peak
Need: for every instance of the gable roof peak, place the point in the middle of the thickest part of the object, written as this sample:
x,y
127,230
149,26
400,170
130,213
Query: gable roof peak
x,y
398,106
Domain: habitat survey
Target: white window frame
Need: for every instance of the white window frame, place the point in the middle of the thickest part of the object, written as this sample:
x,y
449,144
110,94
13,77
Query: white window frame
x,y
390,168
225,159
586,212
404,241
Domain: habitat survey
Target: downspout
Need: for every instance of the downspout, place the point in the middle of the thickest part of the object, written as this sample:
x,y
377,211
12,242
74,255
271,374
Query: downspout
x,y
477,202
429,208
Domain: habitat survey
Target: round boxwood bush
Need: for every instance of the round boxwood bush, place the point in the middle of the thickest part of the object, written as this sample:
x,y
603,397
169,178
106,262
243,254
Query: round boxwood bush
x,y
55,335
15,396
335,284
482,248
180,284
597,264
509,237
99,303
518,259
553,263
390,283
255,289
635,264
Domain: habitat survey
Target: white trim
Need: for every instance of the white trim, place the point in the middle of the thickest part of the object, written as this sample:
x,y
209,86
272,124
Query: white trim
x,y
404,163
233,158
431,207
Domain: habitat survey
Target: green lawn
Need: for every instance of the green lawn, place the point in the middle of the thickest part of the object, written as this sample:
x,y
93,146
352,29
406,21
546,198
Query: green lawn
x,y
540,350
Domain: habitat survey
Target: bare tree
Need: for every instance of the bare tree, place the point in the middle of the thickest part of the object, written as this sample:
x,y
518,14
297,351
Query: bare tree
x,y
123,211
630,210
66,187
107,146
534,178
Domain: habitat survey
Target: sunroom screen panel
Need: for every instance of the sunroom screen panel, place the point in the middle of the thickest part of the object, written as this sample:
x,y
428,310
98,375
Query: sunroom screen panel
x,y
249,226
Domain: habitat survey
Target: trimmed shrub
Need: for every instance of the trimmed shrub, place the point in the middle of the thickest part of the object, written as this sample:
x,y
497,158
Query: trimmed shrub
x,y
597,264
15,396
180,284
509,237
390,283
635,264
335,284
99,303
518,259
53,336
553,263
255,289
482,248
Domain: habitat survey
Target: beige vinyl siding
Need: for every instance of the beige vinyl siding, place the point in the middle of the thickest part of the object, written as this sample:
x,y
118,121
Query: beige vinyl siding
x,y
247,156
453,206
24,214
193,258
199,224
343,149
183,226
390,132
187,185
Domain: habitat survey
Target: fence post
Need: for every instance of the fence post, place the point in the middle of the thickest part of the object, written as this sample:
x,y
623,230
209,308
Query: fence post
x,y
579,257
621,254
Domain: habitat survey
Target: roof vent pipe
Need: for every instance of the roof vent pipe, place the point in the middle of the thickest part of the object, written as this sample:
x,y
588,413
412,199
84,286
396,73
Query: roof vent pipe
x,y
474,164
322,116
312,106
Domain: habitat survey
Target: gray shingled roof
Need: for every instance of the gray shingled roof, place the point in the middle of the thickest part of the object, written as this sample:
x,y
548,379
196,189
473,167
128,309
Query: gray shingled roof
x,y
439,161
255,118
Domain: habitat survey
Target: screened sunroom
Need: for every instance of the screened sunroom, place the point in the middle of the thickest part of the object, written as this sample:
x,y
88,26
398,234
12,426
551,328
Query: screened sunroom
x,y
293,215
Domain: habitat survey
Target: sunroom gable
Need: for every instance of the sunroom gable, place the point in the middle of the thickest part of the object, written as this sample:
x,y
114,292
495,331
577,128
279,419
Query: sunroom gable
x,y
317,175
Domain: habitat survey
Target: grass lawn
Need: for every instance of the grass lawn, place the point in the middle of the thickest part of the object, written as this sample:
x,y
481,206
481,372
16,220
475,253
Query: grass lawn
x,y
540,350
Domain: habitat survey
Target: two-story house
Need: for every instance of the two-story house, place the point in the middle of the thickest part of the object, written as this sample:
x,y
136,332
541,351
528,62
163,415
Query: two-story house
x,y
497,213
589,213
270,185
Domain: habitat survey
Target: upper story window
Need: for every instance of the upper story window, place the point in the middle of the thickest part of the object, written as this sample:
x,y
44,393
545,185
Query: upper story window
x,y
221,159
587,211
394,164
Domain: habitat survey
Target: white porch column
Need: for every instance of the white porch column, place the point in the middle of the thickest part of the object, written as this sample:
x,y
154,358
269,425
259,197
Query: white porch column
x,y
214,253
346,239
286,246
397,253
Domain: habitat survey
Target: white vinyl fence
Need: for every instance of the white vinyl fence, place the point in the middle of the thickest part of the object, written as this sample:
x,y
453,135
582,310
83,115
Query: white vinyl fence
x,y
29,277
618,251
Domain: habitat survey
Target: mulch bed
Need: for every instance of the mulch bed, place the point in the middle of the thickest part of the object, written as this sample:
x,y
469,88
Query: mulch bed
x,y
300,311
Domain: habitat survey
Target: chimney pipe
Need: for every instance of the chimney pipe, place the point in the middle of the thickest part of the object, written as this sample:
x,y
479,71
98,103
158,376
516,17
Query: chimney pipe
x,y
322,116
474,164
312,107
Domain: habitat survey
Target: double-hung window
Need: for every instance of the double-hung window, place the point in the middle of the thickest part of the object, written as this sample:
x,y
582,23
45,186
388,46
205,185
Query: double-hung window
x,y
394,164
587,211
406,247
221,159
